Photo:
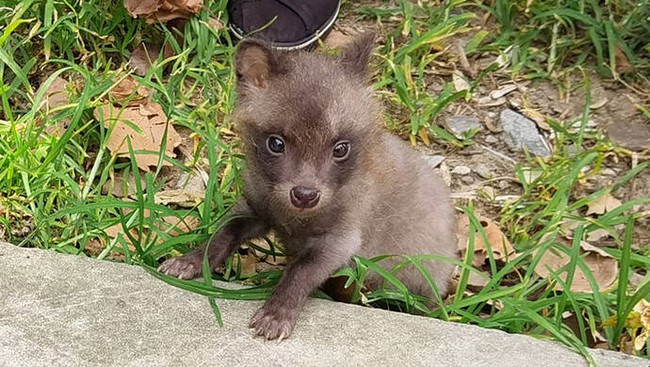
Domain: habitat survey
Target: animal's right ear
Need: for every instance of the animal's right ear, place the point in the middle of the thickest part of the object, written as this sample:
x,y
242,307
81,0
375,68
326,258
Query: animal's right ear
x,y
255,63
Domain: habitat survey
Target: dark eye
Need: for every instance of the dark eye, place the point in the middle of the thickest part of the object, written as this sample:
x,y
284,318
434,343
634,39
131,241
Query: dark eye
x,y
341,150
275,144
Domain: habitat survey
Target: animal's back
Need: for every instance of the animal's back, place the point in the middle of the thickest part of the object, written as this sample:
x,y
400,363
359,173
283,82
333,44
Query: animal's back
x,y
412,215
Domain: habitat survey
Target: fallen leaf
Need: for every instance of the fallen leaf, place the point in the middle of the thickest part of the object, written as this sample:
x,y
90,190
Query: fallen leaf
x,y
642,310
603,204
95,246
264,252
117,230
424,135
597,235
476,282
216,24
622,62
162,10
497,241
603,267
56,95
151,119
178,197
193,182
174,225
247,265
143,56
120,187
337,39
129,93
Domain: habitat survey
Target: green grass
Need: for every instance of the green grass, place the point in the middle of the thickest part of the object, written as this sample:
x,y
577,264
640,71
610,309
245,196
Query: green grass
x,y
51,186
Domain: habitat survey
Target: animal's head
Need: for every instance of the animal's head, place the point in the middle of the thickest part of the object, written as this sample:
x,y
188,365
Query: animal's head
x,y
307,121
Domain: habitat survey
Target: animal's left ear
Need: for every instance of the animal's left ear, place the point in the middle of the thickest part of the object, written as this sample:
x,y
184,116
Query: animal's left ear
x,y
256,63
356,56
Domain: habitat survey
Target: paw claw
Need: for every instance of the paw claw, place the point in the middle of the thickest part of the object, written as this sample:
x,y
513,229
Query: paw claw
x,y
185,267
270,324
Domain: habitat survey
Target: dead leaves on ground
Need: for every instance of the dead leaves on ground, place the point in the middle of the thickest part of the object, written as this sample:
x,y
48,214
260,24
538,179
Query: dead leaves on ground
x,y
172,225
602,266
140,121
145,55
603,204
497,242
56,96
162,10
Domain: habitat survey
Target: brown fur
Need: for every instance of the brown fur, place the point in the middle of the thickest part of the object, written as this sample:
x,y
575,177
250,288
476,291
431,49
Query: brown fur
x,y
382,199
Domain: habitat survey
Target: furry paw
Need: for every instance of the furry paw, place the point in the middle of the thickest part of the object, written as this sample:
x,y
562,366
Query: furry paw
x,y
273,322
184,267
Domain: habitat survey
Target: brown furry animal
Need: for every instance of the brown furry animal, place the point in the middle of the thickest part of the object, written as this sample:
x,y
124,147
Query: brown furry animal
x,y
326,178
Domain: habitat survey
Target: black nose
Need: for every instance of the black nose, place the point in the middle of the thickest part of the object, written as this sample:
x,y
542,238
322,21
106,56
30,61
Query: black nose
x,y
304,197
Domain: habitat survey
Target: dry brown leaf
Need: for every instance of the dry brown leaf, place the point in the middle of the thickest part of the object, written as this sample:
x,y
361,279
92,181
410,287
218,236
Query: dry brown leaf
x,y
476,282
622,62
117,230
278,259
120,187
597,235
162,10
603,204
145,55
151,119
247,264
497,241
603,267
178,226
178,197
95,246
642,309
337,39
126,88
56,96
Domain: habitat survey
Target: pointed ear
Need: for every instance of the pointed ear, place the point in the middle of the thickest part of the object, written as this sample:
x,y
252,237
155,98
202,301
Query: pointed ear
x,y
356,56
255,63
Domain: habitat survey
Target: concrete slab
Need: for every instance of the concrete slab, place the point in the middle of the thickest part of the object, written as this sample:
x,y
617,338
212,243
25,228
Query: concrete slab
x,y
64,310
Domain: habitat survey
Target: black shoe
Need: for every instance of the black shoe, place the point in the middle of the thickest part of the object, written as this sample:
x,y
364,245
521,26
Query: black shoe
x,y
285,24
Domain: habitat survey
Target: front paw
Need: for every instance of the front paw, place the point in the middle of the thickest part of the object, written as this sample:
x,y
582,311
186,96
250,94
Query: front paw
x,y
273,321
184,267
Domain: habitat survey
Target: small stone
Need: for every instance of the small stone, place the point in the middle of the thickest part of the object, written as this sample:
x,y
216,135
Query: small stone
x,y
503,91
630,135
434,160
609,172
192,183
467,180
443,171
461,170
491,139
483,171
521,133
462,124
